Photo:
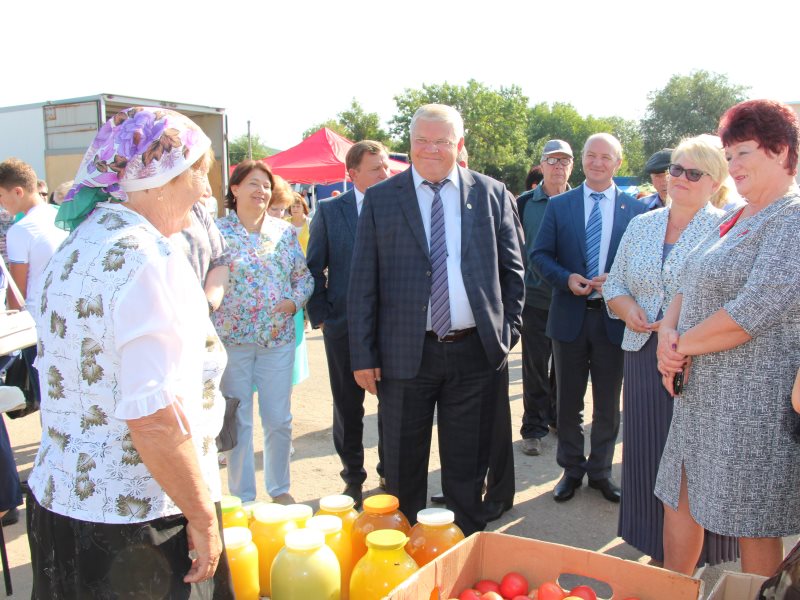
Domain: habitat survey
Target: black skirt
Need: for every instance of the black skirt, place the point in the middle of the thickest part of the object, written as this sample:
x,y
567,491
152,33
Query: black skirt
x,y
73,559
647,414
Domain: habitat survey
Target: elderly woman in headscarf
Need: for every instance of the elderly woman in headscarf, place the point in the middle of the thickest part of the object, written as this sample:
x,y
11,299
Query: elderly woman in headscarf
x,y
126,482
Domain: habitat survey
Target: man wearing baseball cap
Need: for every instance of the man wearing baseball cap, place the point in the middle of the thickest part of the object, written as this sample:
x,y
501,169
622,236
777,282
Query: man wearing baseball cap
x,y
538,378
657,166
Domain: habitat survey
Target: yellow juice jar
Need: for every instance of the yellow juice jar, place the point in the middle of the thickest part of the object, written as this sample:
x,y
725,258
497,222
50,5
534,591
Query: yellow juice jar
x,y
383,567
232,513
299,513
381,511
331,526
270,525
434,533
242,562
305,568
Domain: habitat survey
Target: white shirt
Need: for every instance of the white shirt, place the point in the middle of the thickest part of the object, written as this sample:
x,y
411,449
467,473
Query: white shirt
x,y
460,311
607,212
33,239
359,199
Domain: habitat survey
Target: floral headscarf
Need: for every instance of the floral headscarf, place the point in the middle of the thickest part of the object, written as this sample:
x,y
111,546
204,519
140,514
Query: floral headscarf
x,y
138,149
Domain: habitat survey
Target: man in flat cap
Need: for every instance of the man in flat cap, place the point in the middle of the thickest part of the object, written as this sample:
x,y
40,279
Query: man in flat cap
x,y
538,377
657,167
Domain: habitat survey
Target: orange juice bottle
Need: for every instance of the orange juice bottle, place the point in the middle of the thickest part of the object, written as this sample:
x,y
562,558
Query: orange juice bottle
x,y
270,525
340,506
383,567
242,562
305,568
232,513
434,533
331,526
380,512
299,513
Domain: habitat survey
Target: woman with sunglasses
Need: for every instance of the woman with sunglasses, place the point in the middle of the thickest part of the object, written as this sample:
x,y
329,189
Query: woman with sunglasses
x,y
644,279
731,463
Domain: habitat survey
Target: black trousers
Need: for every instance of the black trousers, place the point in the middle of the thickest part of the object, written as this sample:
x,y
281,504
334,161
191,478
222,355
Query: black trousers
x,y
456,380
538,375
500,484
591,352
348,412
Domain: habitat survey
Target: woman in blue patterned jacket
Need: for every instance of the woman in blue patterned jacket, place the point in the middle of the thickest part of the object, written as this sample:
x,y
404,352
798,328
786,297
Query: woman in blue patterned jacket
x,y
644,278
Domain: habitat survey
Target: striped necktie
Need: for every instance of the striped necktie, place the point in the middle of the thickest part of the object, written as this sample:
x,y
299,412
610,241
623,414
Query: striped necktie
x,y
440,293
594,230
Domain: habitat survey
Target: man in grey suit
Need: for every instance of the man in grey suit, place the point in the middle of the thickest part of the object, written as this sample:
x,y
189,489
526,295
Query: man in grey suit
x,y
573,252
329,254
434,306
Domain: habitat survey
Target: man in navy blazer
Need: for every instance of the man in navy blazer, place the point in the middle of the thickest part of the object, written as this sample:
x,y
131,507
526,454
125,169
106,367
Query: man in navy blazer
x,y
329,254
573,251
434,306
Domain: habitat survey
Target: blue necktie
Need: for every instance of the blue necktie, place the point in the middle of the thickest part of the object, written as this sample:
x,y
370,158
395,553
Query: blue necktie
x,y
440,294
594,230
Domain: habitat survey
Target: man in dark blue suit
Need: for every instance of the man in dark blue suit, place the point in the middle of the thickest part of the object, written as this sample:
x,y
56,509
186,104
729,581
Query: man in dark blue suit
x,y
574,251
330,250
434,306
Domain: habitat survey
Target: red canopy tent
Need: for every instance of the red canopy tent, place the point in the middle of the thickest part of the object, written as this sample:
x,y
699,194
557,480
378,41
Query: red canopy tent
x,y
317,159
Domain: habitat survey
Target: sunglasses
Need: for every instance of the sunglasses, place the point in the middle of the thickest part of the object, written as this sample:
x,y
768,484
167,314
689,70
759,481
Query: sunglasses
x,y
693,175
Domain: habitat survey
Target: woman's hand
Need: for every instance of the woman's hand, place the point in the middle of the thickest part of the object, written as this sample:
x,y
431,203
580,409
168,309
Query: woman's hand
x,y
205,542
668,380
285,306
636,319
670,361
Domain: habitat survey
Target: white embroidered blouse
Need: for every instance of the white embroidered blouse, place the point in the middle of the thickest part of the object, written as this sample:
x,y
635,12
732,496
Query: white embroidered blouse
x,y
123,332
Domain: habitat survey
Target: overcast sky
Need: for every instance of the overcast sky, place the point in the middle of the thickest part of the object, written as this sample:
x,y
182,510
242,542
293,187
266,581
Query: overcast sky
x,y
286,65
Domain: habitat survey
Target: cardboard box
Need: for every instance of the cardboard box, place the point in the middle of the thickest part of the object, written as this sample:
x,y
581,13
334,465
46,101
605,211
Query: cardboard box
x,y
737,586
492,555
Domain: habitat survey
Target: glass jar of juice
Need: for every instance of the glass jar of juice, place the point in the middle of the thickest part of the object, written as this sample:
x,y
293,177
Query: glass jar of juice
x,y
270,525
242,562
299,513
380,512
385,565
232,513
305,568
434,533
249,509
331,526
341,506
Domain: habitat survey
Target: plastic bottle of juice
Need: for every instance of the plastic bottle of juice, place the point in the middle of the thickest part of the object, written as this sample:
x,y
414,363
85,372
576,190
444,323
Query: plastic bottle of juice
x,y
270,525
434,533
384,566
232,513
242,562
305,568
299,513
380,512
331,526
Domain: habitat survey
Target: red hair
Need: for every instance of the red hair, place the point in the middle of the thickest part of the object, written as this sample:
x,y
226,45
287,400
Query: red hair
x,y
772,125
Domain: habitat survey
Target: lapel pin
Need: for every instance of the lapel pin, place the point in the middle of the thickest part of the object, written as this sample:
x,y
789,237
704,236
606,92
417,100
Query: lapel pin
x,y
622,206
469,206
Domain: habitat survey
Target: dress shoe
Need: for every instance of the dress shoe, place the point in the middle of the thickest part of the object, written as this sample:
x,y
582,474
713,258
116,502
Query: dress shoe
x,y
354,491
565,488
494,510
532,446
437,498
608,488
283,499
11,517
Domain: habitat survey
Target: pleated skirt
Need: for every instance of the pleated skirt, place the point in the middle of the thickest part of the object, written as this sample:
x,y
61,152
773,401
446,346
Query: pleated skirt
x,y
647,413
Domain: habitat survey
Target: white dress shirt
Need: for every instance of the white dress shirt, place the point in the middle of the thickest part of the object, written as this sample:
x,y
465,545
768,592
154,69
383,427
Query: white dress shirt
x,y
460,311
359,200
607,212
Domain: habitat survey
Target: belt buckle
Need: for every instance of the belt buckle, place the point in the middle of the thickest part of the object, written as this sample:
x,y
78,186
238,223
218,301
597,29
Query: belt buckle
x,y
444,340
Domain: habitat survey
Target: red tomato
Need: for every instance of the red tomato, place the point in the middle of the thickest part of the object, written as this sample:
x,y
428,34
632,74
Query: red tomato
x,y
513,584
583,591
470,594
521,598
491,596
487,585
550,591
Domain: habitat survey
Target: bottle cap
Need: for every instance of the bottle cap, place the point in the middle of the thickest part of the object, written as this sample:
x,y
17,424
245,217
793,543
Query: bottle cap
x,y
386,539
299,511
230,504
436,516
236,537
337,502
250,507
327,524
271,513
381,504
304,539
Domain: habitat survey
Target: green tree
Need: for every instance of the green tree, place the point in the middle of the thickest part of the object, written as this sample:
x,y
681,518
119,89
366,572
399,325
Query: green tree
x,y
355,124
495,123
237,149
688,105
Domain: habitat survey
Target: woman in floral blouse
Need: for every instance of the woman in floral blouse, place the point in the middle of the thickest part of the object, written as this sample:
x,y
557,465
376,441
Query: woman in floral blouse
x,y
269,283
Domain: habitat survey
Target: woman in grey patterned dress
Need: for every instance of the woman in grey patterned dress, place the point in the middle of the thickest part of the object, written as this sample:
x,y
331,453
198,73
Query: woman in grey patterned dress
x,y
732,459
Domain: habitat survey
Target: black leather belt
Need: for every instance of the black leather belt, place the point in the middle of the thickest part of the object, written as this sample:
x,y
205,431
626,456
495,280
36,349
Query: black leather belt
x,y
453,336
595,304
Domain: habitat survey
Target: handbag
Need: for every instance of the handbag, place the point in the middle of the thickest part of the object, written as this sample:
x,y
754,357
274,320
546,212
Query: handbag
x,y
228,438
17,371
17,327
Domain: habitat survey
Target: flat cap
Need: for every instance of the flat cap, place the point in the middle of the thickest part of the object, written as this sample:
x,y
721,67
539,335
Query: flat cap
x,y
659,162
555,147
